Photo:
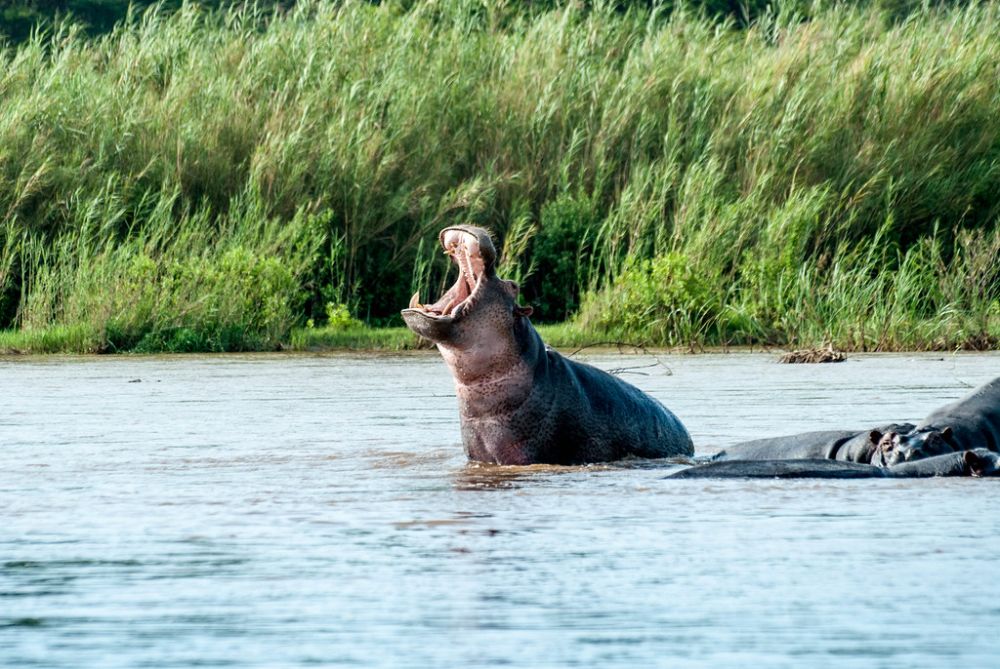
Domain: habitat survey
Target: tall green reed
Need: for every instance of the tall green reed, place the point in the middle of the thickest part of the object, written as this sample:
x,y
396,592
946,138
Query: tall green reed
x,y
759,166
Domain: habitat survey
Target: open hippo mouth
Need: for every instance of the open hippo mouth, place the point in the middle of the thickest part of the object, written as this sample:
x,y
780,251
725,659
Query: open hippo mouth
x,y
473,253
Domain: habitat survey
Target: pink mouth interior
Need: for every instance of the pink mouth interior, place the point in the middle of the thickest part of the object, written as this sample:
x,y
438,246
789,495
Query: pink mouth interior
x,y
464,248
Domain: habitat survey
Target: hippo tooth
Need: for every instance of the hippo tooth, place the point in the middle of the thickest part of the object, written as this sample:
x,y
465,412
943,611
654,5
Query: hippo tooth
x,y
415,301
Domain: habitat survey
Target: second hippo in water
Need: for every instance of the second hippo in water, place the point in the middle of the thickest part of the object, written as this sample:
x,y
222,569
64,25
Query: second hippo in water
x,y
969,423
520,402
843,445
979,462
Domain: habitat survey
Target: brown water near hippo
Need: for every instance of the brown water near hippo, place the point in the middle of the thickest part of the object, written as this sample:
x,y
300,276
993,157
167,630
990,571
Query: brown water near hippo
x,y
294,511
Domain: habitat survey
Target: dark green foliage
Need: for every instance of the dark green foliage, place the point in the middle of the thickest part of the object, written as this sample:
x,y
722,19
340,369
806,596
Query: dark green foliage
x,y
18,18
560,257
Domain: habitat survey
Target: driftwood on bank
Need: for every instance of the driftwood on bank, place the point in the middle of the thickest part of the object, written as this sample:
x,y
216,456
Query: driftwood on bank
x,y
813,355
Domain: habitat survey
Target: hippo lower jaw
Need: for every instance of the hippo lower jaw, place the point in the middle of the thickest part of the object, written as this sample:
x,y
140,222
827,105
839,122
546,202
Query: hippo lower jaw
x,y
428,326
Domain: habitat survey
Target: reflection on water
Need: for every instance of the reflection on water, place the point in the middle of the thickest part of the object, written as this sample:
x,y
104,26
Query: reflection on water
x,y
283,511
482,476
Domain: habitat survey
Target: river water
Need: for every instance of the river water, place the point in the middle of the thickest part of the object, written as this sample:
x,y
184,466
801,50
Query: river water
x,y
290,511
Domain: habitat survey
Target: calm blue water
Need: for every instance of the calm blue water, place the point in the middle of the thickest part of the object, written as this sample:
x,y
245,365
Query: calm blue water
x,y
290,511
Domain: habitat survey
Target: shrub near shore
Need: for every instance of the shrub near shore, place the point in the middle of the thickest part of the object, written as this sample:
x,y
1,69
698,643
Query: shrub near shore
x,y
209,181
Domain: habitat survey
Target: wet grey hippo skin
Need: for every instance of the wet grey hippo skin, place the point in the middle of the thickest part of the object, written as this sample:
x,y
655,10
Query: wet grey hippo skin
x,y
521,403
969,423
843,445
905,446
978,462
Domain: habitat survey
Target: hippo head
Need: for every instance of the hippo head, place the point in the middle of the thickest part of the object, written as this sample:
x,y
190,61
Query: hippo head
x,y
894,447
479,313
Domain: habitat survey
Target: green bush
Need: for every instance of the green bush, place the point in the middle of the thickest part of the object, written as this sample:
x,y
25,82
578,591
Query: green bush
x,y
183,285
872,298
666,300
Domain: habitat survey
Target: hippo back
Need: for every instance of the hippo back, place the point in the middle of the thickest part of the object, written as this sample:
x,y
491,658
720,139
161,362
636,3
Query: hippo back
x,y
821,444
978,462
597,416
974,420
575,413
781,469
844,445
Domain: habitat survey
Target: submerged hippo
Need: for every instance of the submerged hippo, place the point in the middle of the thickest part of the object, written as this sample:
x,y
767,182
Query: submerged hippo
x,y
843,445
977,462
969,423
520,402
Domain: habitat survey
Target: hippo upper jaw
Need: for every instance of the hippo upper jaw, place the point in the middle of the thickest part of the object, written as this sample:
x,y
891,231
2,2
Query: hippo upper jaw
x,y
474,255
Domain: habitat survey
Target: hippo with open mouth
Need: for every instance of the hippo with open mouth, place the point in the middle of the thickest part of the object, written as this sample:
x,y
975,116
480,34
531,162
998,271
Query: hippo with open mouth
x,y
521,402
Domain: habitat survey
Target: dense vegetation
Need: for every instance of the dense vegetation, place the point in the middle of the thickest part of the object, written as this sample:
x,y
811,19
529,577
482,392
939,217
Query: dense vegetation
x,y
197,180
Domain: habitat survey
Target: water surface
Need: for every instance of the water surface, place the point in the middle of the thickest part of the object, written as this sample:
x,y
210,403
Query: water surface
x,y
290,511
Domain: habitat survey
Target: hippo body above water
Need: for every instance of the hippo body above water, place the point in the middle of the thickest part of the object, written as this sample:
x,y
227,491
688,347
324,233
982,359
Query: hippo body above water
x,y
969,423
979,462
520,402
844,445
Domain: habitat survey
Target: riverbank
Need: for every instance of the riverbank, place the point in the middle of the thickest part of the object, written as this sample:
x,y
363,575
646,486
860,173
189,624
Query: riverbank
x,y
562,336
354,338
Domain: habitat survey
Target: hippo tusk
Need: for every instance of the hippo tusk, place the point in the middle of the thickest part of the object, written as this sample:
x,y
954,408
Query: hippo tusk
x,y
415,301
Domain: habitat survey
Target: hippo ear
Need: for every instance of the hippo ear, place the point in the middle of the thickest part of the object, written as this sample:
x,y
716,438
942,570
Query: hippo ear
x,y
523,311
946,433
973,463
875,436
